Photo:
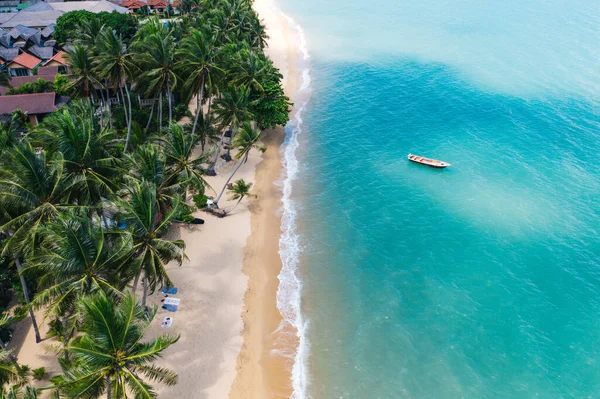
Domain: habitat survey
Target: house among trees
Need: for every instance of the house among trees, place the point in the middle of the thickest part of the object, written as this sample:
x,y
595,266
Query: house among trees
x,y
36,106
59,61
23,65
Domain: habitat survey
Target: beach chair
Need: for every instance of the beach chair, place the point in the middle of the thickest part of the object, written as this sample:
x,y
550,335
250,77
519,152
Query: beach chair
x,y
169,290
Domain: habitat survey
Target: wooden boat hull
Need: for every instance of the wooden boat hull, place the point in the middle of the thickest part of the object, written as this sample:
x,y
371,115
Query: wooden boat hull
x,y
432,163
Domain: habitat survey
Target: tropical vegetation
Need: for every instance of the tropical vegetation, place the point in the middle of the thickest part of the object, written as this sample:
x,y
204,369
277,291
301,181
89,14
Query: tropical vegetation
x,y
88,196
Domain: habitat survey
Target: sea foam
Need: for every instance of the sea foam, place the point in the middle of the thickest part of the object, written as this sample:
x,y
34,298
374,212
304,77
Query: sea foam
x,y
290,286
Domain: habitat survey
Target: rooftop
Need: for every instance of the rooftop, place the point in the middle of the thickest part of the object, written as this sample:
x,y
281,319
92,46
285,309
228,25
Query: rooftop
x,y
58,57
39,103
27,60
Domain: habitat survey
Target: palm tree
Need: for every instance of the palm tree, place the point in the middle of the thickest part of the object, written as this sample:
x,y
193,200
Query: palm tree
x,y
32,193
90,167
109,357
5,79
239,190
230,110
88,32
246,139
184,166
115,64
8,137
83,77
147,163
156,54
15,392
251,69
207,133
78,259
198,53
141,212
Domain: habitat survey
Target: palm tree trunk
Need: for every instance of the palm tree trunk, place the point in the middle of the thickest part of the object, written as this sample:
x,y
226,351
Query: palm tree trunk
x,y
129,120
240,162
36,329
198,105
135,282
151,113
108,387
209,104
108,103
160,107
236,204
211,171
170,105
145,292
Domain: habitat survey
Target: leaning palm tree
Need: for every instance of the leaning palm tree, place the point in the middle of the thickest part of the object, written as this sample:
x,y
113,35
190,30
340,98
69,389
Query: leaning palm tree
x,y
239,190
246,139
198,55
83,77
230,110
33,192
109,357
207,132
78,259
115,64
141,212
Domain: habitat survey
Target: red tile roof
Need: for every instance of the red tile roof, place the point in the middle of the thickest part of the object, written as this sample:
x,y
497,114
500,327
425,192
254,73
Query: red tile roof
x,y
58,57
26,60
40,103
158,3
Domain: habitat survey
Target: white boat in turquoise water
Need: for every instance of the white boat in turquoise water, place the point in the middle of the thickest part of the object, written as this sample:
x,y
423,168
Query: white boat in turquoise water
x,y
434,163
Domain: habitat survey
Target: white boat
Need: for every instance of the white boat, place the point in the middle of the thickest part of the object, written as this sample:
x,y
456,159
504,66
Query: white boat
x,y
434,163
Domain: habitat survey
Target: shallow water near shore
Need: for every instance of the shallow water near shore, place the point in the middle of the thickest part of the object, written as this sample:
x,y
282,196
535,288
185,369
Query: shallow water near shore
x,y
478,281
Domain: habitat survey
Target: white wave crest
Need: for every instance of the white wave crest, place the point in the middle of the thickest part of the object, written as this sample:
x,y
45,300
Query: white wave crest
x,y
290,285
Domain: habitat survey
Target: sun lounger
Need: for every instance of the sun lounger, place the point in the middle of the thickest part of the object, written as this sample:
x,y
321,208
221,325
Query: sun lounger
x,y
170,308
169,290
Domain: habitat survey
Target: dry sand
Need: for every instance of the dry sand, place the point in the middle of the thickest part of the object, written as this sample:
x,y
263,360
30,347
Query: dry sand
x,y
228,318
264,369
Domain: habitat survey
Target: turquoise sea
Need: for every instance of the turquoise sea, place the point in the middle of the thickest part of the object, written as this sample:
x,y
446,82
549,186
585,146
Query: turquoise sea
x,y
478,281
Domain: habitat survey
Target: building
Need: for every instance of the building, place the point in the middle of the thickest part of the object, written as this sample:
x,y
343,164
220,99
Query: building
x,y
43,14
7,6
36,106
23,65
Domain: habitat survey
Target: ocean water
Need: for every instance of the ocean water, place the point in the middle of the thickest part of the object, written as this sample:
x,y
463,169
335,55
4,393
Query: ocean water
x,y
478,281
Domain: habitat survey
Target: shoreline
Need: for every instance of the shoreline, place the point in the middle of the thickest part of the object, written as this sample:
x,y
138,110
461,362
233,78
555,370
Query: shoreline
x,y
269,342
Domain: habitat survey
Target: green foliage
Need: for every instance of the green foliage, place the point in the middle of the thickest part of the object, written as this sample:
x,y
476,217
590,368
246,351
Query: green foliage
x,y
39,86
62,86
68,23
186,215
39,373
110,346
200,200
123,24
272,108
